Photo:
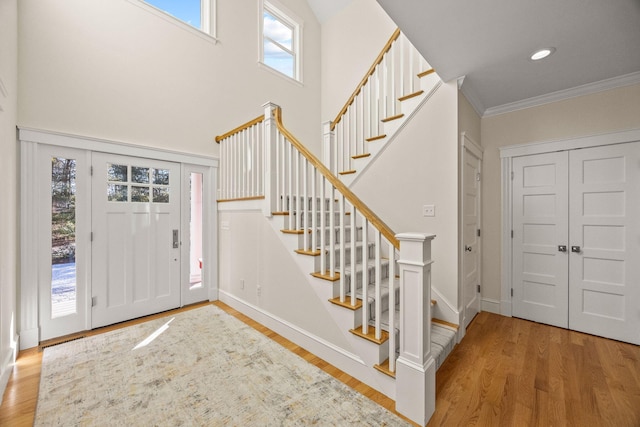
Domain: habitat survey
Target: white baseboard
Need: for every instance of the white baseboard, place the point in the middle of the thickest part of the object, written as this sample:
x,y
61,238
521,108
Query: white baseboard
x,y
6,368
29,338
338,357
491,305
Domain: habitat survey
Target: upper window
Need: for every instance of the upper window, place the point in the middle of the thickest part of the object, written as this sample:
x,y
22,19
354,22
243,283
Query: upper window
x,y
280,44
197,14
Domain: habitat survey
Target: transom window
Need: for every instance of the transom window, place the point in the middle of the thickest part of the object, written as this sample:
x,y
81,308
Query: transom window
x,y
280,44
197,14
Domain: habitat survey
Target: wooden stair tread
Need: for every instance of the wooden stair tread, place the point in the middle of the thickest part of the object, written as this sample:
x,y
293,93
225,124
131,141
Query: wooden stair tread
x,y
347,303
293,231
348,172
327,276
360,156
371,336
283,213
388,119
375,138
426,73
384,368
411,95
316,252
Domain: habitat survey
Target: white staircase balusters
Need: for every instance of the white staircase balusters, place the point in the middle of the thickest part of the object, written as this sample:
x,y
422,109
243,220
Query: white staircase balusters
x,y
393,75
242,154
392,307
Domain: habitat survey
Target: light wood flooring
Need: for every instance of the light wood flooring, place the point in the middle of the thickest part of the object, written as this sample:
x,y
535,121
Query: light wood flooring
x,y
506,372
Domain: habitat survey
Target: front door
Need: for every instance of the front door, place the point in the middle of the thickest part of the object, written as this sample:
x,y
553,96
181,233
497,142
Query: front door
x,y
136,237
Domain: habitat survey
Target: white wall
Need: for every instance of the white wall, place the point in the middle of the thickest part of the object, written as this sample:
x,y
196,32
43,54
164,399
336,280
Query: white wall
x,y
351,41
8,189
112,70
420,167
250,251
603,112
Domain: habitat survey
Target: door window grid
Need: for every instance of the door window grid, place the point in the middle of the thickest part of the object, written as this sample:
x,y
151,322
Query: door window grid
x,y
124,184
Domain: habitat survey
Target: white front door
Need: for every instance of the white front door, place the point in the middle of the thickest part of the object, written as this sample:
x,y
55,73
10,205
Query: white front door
x,y
136,237
604,234
63,241
576,240
540,238
470,235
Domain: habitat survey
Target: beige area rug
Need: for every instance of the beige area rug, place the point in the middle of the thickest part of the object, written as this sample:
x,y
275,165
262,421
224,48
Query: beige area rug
x,y
205,368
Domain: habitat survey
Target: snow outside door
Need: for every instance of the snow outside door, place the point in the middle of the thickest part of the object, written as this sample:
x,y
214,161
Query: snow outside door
x,y
136,237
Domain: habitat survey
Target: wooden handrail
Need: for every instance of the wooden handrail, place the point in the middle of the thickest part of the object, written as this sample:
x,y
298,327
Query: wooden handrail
x,y
339,185
240,128
355,93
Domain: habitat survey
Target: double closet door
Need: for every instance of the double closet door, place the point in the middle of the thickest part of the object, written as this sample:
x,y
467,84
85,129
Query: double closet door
x,y
576,240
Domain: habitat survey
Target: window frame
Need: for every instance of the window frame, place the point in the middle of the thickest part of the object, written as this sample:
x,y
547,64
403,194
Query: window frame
x,y
290,20
208,18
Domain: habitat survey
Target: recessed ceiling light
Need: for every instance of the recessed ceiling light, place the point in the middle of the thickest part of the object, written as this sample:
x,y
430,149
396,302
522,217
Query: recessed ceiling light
x,y
542,53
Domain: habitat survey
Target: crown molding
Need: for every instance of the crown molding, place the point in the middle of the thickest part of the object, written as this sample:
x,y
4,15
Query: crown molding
x,y
561,95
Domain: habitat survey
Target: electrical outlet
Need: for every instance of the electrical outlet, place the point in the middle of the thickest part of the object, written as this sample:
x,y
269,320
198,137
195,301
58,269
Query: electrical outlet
x,y
429,210
241,283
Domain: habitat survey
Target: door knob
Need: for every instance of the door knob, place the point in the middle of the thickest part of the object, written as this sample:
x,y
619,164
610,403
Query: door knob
x,y
467,248
575,249
562,248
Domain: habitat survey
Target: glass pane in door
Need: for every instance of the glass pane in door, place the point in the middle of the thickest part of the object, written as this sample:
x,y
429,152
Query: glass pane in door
x,y
195,257
63,237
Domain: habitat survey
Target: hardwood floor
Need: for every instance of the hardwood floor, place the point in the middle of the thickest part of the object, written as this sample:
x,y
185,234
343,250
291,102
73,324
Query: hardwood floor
x,y
506,372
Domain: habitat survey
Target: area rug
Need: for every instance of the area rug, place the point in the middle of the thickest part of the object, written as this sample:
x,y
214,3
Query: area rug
x,y
198,368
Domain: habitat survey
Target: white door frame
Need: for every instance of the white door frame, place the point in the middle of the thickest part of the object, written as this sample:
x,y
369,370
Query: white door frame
x,y
30,176
506,156
468,145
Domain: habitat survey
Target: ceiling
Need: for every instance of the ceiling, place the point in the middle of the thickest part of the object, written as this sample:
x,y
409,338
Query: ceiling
x,y
489,42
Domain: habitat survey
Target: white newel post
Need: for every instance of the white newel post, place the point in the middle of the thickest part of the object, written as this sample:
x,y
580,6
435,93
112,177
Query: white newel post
x,y
270,142
328,149
416,368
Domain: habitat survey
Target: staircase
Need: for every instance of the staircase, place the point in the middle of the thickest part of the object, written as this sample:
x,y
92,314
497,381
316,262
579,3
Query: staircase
x,y
395,87
379,295
360,260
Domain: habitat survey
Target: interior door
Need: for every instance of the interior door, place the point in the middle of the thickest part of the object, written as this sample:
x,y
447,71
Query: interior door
x,y
470,235
540,238
136,237
63,233
604,268
195,271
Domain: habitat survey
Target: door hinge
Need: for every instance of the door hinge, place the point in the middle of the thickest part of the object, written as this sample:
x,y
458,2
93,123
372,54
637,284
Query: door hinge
x,y
512,234
91,238
511,291
91,171
478,176
478,233
94,301
478,288
512,175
